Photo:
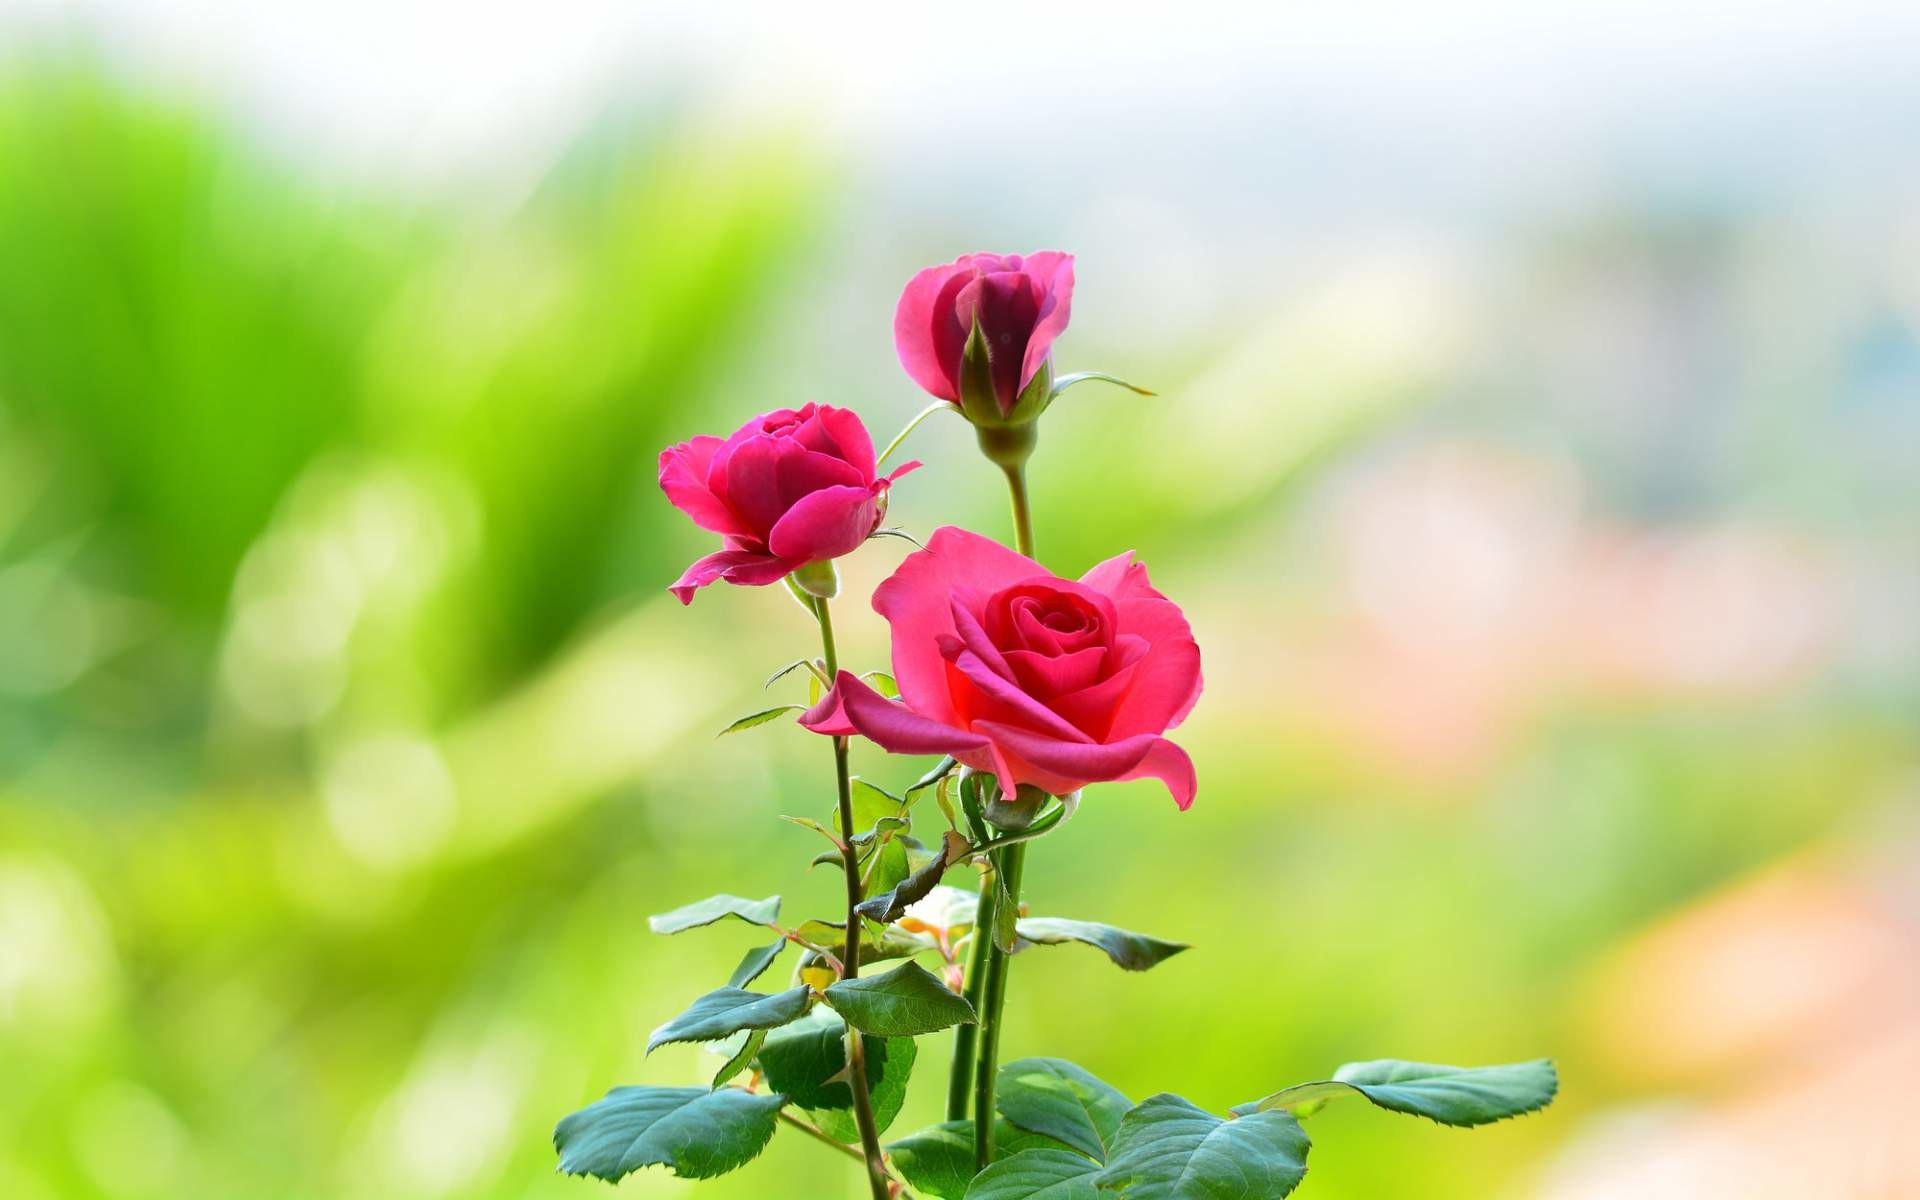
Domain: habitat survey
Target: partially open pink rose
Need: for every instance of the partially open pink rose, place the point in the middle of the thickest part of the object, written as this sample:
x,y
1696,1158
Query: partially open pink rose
x,y
787,489
1038,679
1022,304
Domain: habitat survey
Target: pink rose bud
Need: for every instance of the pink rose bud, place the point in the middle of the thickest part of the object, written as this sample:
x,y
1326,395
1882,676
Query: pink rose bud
x,y
1041,681
979,331
788,490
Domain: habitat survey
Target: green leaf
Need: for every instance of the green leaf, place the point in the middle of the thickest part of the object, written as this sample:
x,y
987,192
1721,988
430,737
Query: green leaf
x,y
749,1046
904,1002
783,672
871,803
891,904
1129,951
889,869
1066,381
729,1010
875,946
1037,1175
1169,1150
807,1060
883,683
940,771
761,718
1054,1097
755,964
715,908
1462,1096
694,1132
938,1160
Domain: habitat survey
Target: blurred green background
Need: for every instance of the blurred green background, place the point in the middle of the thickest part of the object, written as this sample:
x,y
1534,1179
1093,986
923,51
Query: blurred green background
x,y
1548,519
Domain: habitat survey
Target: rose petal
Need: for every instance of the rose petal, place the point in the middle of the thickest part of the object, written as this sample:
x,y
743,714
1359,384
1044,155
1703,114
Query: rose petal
x,y
1009,703
916,600
746,567
852,443
926,335
1045,676
1121,578
826,524
852,707
683,477
1130,758
1053,271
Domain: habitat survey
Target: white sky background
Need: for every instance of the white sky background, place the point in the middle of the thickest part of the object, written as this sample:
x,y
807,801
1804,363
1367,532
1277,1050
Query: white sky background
x,y
1492,89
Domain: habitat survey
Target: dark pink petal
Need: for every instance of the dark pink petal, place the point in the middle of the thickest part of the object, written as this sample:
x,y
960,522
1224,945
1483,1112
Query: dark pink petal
x,y
916,600
1093,708
905,468
1168,684
801,472
1121,578
825,524
1045,676
972,637
1007,703
1053,272
683,477
1170,765
747,567
752,480
926,335
1130,758
1006,306
852,707
853,444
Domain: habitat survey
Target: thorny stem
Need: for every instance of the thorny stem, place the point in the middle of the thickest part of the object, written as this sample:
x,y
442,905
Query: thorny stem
x,y
850,958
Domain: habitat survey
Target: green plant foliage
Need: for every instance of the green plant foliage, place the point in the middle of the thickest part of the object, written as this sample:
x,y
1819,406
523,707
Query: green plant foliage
x,y
761,718
694,1132
1060,1100
1129,951
1167,1149
904,1002
755,964
729,1010
883,683
807,1061
872,802
716,908
1462,1096
1037,1175
749,1046
938,1160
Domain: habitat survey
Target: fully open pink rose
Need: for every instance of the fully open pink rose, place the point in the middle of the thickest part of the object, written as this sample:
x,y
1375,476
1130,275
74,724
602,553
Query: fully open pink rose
x,y
1038,679
788,488
1022,305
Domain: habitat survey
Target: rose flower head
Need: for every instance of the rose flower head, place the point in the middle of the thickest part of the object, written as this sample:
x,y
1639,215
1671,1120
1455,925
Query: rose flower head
x,y
979,332
1044,681
789,489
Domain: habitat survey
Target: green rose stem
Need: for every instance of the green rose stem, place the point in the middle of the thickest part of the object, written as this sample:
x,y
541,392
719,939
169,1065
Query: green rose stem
x,y
987,969
850,956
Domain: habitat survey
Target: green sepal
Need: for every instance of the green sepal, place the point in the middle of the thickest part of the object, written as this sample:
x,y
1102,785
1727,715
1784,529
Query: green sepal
x,y
807,1061
716,908
978,401
1167,1149
1067,381
761,718
729,1010
1034,398
694,1132
1063,1101
1458,1096
755,964
940,771
904,1002
938,1160
1037,1175
1129,951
